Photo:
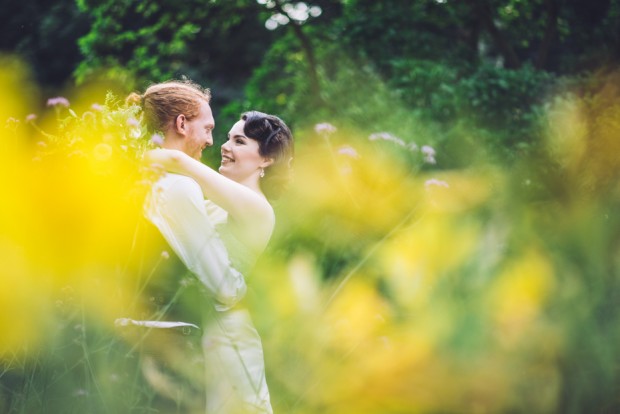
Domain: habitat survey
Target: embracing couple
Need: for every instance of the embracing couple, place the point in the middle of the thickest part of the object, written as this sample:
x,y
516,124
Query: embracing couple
x,y
216,224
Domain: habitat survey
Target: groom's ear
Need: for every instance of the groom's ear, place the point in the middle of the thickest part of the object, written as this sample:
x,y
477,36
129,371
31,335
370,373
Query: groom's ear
x,y
179,124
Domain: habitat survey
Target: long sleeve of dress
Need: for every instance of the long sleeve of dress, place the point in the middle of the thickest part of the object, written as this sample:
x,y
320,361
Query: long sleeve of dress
x,y
176,207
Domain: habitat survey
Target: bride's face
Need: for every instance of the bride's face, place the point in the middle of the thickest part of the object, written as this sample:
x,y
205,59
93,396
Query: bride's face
x,y
240,157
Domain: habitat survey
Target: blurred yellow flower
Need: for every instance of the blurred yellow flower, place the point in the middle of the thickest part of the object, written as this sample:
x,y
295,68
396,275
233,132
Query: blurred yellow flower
x,y
346,195
357,313
567,131
102,152
520,292
26,303
459,191
428,249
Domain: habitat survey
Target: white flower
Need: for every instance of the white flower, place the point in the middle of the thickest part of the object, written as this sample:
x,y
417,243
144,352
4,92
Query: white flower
x,y
428,150
381,135
324,128
348,151
429,154
386,136
157,140
58,101
435,182
133,122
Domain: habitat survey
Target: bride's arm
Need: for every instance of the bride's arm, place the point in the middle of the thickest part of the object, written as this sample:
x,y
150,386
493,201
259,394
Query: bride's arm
x,y
243,204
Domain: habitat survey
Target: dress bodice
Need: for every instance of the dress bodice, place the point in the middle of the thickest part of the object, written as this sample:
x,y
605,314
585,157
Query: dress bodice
x,y
240,255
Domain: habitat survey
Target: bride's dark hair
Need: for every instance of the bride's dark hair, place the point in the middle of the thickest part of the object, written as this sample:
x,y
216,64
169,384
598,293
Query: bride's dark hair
x,y
275,141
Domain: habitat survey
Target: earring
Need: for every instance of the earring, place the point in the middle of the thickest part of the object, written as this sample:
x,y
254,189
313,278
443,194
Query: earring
x,y
262,173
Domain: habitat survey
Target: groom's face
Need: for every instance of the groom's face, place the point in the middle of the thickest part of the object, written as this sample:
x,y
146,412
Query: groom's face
x,y
199,132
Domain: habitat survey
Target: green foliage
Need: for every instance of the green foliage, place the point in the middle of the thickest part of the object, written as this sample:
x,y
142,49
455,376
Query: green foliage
x,y
385,32
445,64
44,35
155,42
431,87
280,83
504,107
131,35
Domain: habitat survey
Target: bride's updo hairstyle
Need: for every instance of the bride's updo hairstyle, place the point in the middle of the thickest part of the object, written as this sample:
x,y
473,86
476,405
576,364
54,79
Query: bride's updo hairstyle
x,y
274,141
163,102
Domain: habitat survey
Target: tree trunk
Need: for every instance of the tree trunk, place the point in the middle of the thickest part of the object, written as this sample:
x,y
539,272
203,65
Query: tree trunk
x,y
553,10
482,8
315,88
306,46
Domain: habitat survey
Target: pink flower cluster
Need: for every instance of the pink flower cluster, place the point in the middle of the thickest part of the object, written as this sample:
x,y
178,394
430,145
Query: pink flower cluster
x,y
348,151
324,128
58,101
435,182
157,140
429,154
386,136
133,122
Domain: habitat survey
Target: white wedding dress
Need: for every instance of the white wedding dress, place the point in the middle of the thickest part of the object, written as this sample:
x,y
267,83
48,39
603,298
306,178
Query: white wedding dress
x,y
234,363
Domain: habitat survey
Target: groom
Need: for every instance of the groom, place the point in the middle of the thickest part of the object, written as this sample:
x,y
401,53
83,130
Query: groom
x,y
185,260
176,204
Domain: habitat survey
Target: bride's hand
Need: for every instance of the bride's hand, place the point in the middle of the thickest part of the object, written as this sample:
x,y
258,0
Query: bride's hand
x,y
168,159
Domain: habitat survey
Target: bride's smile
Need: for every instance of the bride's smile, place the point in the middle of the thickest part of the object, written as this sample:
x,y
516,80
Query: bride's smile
x,y
241,159
226,159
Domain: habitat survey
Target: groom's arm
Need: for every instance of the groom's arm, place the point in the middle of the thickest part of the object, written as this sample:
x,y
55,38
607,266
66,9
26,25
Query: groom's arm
x,y
177,209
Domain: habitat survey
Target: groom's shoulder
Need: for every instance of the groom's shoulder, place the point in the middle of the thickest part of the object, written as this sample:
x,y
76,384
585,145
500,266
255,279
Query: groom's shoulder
x,y
176,180
177,185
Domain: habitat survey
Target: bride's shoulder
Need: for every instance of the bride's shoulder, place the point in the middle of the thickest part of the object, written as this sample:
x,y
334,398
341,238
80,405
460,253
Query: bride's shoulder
x,y
257,224
265,212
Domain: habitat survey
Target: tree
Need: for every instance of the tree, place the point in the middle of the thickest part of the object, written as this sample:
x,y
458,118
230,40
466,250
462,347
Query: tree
x,y
294,15
217,43
485,66
44,35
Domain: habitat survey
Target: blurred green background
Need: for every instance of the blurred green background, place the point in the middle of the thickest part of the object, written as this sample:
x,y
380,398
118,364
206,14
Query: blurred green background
x,y
449,244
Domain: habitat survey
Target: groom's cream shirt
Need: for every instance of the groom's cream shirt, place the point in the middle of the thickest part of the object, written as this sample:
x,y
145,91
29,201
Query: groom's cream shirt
x,y
176,206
